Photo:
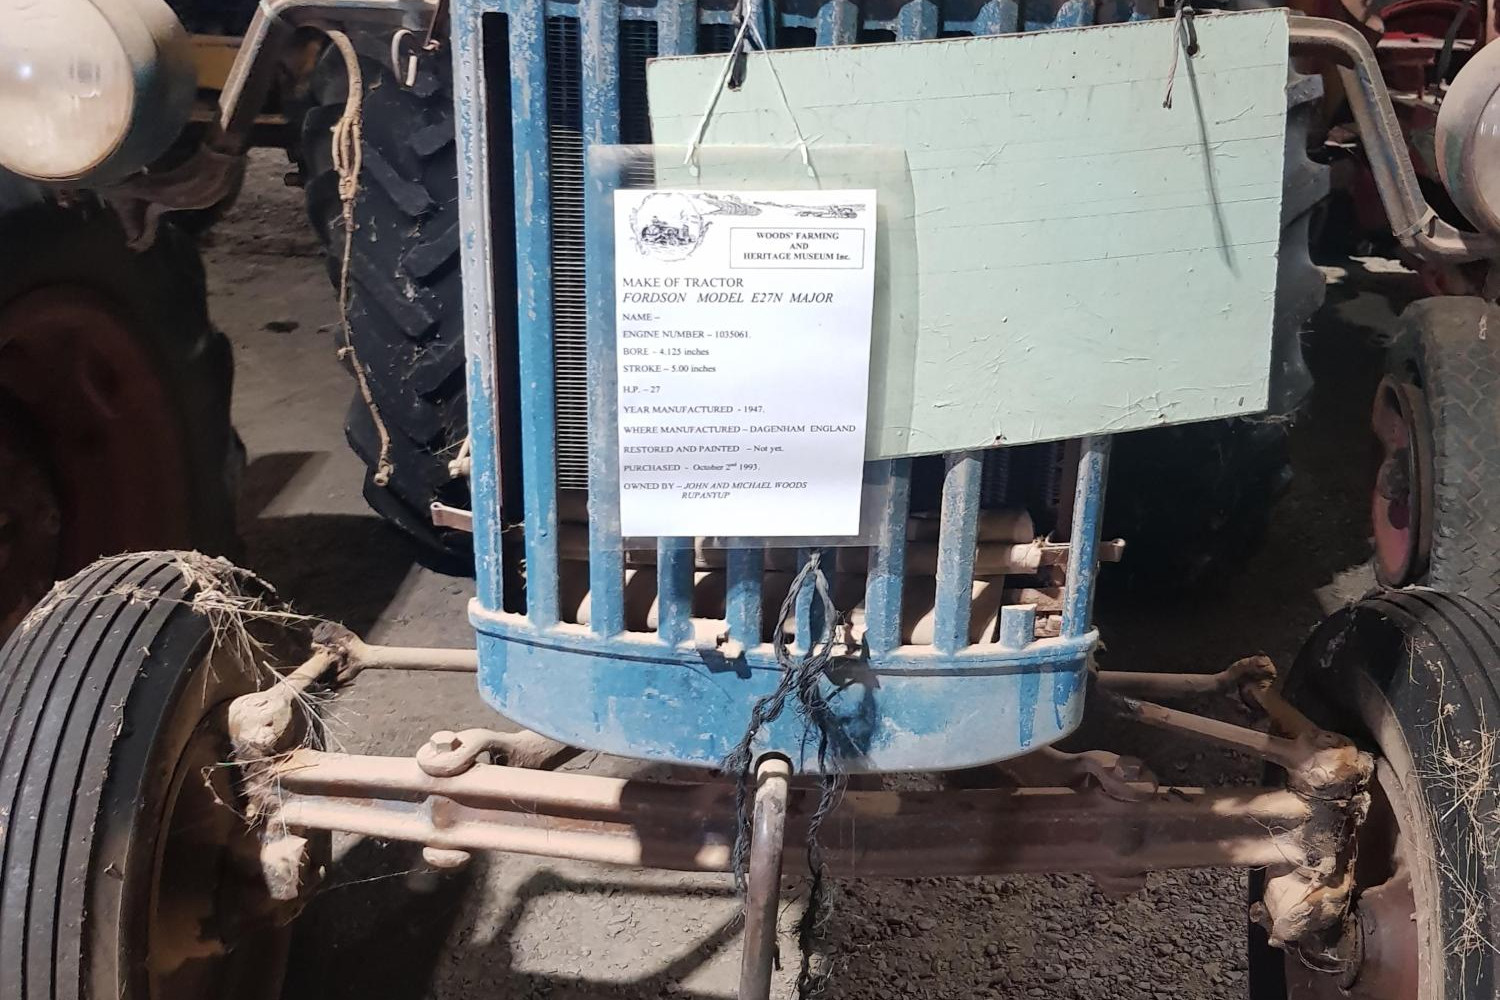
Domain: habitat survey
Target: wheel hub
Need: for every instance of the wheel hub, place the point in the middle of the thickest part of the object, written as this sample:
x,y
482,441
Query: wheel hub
x,y
214,930
1388,941
1381,937
1400,503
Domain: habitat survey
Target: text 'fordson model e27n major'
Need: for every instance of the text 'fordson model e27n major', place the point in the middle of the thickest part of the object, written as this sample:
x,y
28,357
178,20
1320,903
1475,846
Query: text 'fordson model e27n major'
x,y
775,352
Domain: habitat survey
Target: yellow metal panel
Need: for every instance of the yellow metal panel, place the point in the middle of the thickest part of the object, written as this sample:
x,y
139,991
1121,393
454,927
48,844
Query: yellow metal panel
x,y
213,55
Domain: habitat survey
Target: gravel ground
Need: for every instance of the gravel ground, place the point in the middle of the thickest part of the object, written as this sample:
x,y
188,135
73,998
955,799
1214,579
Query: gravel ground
x,y
512,926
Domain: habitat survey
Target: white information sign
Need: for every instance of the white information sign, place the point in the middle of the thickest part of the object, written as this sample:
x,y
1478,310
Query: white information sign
x,y
743,325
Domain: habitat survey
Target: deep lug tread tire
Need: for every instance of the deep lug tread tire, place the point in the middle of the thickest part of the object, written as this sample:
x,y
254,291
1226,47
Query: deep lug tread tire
x,y
405,297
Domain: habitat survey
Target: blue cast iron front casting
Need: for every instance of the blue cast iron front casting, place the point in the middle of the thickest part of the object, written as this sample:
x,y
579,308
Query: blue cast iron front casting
x,y
575,77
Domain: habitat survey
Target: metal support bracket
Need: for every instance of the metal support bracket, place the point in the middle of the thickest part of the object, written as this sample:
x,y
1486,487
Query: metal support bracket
x,y
447,753
444,516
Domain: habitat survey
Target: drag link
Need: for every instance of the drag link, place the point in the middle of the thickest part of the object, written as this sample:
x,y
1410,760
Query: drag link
x,y
1276,749
354,656
1283,715
1240,676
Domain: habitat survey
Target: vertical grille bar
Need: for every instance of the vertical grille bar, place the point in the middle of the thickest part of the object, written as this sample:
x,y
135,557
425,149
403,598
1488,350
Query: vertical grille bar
x,y
674,556
958,534
838,23
674,589
744,568
677,27
809,617
601,124
528,61
888,563
918,19
472,139
742,598
759,13
1083,555
599,47
998,17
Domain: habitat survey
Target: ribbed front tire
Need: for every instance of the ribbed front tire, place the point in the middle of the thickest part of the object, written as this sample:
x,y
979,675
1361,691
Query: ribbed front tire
x,y
125,869
1411,675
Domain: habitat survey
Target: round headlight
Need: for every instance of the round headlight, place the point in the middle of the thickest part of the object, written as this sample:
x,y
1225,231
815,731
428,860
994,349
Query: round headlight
x,y
90,89
1468,139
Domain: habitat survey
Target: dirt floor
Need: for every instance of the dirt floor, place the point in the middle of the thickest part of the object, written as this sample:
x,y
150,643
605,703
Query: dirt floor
x,y
383,926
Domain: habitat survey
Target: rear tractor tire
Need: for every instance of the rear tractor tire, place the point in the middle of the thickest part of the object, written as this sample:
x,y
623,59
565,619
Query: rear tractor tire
x,y
130,870
114,400
1194,501
405,296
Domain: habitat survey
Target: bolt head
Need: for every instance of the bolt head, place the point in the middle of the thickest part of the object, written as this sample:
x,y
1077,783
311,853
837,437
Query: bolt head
x,y
445,739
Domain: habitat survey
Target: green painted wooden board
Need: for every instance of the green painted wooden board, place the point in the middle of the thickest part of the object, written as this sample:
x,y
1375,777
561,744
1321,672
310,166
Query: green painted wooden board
x,y
1086,260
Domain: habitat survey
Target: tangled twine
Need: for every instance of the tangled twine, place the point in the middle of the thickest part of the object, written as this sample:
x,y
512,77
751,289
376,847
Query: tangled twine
x,y
804,679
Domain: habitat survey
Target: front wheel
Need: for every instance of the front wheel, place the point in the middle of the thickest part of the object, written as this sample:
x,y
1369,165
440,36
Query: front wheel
x,y
128,870
1435,506
1408,674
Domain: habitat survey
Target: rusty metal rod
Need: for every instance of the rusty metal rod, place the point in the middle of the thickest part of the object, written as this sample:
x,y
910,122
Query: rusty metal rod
x,y
1287,753
475,830
1143,684
367,656
309,673
689,826
763,882
320,772
992,558
1241,674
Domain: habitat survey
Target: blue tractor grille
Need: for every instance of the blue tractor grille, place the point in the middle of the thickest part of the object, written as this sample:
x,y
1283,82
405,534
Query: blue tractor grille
x,y
659,653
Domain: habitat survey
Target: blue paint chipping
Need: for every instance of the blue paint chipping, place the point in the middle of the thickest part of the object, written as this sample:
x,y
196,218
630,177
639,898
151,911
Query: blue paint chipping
x,y
1027,690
